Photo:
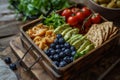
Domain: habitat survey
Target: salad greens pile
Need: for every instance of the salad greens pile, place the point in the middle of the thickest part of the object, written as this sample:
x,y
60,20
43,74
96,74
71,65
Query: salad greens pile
x,y
54,20
32,9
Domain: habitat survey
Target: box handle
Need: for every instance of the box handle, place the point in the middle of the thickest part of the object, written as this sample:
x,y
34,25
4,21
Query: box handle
x,y
42,62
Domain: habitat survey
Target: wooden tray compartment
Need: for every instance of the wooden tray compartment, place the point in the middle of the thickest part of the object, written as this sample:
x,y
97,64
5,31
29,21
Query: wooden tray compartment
x,y
76,66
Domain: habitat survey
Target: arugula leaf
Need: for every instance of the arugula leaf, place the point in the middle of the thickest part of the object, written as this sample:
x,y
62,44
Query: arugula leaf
x,y
54,20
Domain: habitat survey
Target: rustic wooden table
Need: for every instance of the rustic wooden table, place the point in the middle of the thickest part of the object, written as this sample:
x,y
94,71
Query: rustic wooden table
x,y
9,30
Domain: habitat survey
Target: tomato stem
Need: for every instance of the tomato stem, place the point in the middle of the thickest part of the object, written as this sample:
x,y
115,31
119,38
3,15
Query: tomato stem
x,y
83,25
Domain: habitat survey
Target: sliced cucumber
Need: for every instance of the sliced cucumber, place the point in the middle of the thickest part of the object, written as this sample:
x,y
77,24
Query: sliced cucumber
x,y
79,42
75,39
61,28
83,52
84,45
66,30
70,33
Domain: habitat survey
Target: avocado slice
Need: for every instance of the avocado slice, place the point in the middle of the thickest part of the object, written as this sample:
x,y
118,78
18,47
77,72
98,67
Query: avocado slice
x,y
84,45
70,33
83,52
61,28
75,39
86,50
77,43
66,30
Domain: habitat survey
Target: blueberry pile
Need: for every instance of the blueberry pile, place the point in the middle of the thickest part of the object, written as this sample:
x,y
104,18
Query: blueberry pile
x,y
61,52
11,65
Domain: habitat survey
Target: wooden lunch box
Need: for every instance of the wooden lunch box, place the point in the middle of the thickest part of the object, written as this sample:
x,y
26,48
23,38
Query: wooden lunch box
x,y
75,67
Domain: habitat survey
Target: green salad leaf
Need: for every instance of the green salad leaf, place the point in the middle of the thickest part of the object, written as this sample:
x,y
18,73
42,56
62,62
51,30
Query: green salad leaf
x,y
34,8
54,20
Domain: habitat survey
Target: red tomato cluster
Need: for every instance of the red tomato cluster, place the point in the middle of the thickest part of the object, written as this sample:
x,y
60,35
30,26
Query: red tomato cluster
x,y
76,16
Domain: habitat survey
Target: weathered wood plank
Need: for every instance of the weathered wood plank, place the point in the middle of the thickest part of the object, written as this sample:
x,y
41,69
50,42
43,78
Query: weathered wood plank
x,y
36,70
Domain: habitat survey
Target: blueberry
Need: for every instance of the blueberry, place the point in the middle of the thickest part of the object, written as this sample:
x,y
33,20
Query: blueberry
x,y
52,45
59,36
13,66
62,63
63,49
47,52
56,57
51,57
50,49
72,48
67,45
67,59
56,63
67,52
8,60
73,53
71,59
62,54
61,41
52,52
62,46
58,47
56,41
58,51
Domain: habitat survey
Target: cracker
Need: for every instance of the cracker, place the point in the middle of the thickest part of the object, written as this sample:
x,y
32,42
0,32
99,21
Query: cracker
x,y
100,37
91,29
113,34
110,24
103,33
114,29
107,30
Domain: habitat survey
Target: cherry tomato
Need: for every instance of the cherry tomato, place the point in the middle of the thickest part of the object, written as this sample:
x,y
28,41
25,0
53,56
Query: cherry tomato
x,y
96,18
80,16
86,29
88,23
86,11
78,26
75,10
72,20
66,13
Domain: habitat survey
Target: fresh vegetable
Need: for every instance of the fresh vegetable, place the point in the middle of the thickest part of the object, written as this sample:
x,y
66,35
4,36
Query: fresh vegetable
x,y
87,49
75,10
54,20
34,8
83,46
88,23
86,11
72,20
78,42
80,16
75,38
61,28
66,13
96,18
66,30
70,33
